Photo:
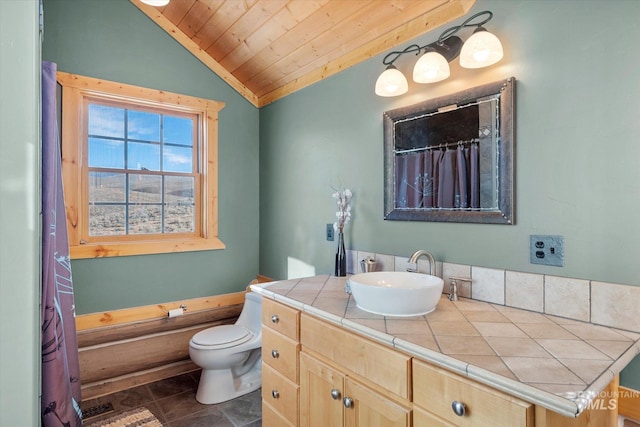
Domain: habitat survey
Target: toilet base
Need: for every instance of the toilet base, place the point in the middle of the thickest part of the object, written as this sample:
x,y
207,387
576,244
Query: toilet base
x,y
219,385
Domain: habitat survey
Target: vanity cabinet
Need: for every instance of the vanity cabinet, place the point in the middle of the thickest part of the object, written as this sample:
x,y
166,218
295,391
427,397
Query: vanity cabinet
x,y
319,374
280,348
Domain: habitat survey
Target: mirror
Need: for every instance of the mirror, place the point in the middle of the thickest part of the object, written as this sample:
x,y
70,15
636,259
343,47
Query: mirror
x,y
451,158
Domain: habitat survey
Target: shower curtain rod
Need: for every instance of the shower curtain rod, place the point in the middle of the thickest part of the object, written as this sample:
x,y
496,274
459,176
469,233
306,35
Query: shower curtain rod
x,y
435,147
457,107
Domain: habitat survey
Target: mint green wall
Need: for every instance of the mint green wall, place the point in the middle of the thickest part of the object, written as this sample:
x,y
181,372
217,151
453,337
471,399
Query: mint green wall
x,y
113,40
578,156
19,213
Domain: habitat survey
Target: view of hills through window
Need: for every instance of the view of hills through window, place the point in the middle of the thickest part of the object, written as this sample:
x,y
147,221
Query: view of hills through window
x,y
142,171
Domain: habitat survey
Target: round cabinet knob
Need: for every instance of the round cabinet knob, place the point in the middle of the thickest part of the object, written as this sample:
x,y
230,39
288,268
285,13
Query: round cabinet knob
x,y
459,408
275,354
275,394
275,318
348,402
335,394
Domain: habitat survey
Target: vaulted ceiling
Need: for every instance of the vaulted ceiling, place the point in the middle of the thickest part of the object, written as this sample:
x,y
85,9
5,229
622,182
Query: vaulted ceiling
x,y
267,49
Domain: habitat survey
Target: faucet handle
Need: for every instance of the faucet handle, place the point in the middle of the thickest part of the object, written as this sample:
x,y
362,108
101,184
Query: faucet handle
x,y
461,279
453,287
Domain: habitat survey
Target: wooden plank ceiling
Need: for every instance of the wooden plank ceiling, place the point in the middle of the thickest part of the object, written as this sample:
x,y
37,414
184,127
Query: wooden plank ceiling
x,y
267,49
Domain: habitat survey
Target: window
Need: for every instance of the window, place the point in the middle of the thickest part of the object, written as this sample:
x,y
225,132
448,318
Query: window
x,y
139,169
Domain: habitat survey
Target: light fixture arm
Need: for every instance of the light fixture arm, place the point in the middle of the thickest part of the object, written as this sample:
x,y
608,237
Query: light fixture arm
x,y
451,31
448,45
397,54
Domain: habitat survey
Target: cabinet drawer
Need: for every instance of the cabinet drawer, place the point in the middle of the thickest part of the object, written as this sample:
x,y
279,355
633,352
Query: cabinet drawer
x,y
423,418
280,353
436,389
271,418
374,362
281,318
280,393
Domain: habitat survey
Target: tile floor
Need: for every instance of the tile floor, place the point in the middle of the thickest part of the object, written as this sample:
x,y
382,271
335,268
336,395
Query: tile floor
x,y
173,402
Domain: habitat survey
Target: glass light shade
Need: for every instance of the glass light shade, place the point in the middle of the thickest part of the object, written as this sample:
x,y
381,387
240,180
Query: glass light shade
x,y
430,68
481,50
156,3
391,83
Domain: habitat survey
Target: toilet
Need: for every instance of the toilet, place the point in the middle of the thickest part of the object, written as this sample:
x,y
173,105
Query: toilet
x,y
230,355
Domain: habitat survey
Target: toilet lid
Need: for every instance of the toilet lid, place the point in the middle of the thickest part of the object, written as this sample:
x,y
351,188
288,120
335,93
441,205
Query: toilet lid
x,y
223,336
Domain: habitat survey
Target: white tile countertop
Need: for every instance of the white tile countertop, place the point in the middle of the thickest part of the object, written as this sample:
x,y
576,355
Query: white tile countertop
x,y
558,363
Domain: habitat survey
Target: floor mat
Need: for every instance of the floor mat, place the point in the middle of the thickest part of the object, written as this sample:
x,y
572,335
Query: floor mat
x,y
140,417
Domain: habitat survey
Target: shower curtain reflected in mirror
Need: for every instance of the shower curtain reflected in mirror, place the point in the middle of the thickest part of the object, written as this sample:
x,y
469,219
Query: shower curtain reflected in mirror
x,y
435,178
60,401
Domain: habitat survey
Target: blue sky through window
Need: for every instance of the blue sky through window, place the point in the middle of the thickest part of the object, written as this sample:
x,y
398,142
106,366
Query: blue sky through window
x,y
139,140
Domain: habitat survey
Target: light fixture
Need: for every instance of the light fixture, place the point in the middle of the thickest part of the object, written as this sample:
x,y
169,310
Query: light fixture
x,y
431,67
480,50
391,82
156,3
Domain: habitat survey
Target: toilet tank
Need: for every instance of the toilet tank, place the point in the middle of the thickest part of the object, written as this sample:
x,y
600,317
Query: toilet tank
x,y
251,315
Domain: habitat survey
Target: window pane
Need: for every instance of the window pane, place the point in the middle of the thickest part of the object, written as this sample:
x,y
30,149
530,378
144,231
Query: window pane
x,y
179,219
106,121
145,219
143,125
106,187
145,188
143,156
106,220
177,159
106,153
177,130
179,204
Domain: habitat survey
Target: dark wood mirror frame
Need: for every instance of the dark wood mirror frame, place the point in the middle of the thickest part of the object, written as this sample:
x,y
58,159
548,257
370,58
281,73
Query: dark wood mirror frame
x,y
503,211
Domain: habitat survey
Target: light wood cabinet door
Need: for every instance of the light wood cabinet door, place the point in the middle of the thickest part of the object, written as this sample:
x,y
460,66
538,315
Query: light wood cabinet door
x,y
321,388
369,408
328,397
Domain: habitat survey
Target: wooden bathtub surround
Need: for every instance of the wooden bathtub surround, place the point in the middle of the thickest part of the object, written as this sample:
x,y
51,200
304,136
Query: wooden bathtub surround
x,y
125,348
156,311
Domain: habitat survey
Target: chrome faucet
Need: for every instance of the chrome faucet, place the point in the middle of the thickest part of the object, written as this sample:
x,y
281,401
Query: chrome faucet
x,y
417,254
453,287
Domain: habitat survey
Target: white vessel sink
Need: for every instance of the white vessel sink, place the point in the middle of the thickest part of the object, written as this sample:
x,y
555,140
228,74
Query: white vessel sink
x,y
396,293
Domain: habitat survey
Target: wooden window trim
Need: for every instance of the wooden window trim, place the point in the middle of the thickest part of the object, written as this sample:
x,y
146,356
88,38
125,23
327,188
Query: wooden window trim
x,y
75,89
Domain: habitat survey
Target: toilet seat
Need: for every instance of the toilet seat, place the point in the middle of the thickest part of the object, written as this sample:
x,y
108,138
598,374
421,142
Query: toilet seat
x,y
224,336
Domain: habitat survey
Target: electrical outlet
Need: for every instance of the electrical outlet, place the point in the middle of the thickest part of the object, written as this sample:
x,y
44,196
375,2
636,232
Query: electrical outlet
x,y
330,232
546,250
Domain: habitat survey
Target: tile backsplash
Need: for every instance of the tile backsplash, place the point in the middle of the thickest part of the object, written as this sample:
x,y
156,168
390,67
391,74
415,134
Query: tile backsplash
x,y
606,304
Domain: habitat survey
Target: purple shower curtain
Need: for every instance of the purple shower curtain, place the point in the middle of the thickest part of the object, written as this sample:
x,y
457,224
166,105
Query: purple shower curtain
x,y
60,401
448,179
462,178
